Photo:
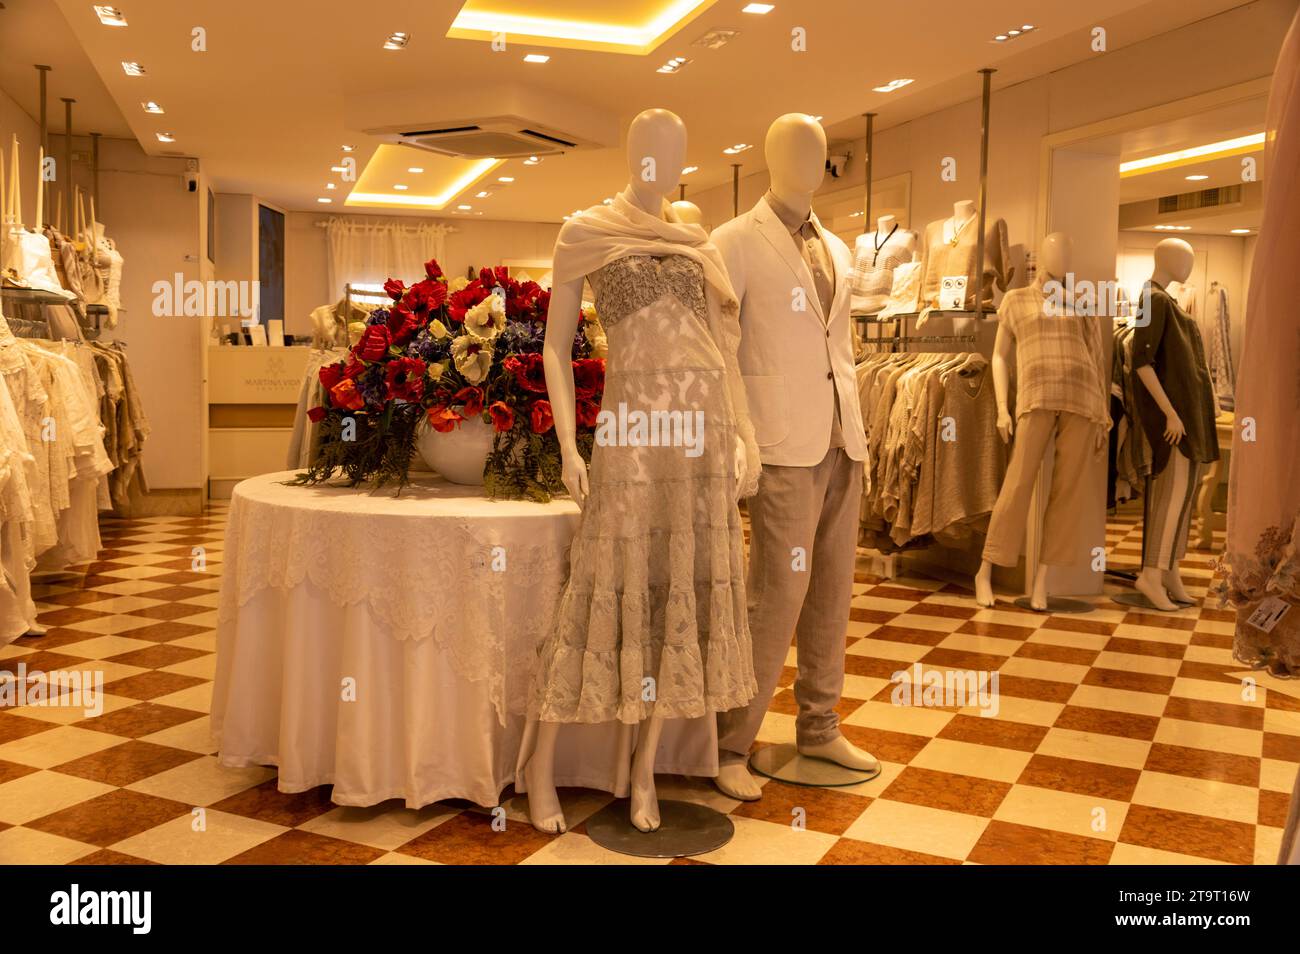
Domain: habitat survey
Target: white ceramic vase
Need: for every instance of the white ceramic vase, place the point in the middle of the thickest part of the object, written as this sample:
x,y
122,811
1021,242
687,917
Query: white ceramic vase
x,y
458,455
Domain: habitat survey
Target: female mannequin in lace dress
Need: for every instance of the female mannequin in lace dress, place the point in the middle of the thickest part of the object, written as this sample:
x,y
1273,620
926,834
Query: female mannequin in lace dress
x,y
652,623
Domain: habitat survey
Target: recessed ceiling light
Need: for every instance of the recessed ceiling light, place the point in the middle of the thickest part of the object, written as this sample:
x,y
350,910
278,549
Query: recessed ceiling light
x,y
415,170
1240,144
673,65
482,195
537,58
1241,231
1027,27
686,171
737,148
338,168
759,8
346,148
330,185
532,161
716,39
1173,228
165,137
1001,38
400,188
1197,178
152,107
324,200
506,179
397,41
110,16
891,86
464,208
1013,33
132,68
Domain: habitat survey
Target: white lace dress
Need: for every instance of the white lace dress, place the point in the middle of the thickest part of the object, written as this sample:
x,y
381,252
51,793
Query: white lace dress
x,y
653,619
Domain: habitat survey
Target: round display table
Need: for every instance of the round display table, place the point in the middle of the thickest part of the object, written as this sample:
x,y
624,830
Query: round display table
x,y
384,644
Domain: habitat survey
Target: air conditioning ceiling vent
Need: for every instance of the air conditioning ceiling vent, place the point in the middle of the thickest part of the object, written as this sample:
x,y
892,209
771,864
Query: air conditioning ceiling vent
x,y
500,139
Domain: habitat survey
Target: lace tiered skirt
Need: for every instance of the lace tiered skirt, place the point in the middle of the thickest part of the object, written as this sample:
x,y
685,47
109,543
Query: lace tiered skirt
x,y
653,617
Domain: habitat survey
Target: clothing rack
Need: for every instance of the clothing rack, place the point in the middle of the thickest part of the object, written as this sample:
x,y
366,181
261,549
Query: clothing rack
x,y
901,338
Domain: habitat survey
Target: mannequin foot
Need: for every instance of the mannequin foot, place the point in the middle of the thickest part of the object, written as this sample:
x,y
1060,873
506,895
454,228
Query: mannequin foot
x,y
842,752
734,781
1149,586
37,629
984,584
645,805
1038,596
543,803
1173,584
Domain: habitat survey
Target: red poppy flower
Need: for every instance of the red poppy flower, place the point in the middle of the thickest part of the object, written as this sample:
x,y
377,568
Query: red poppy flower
x,y
588,412
353,369
462,301
432,268
404,379
443,419
374,343
589,377
490,277
472,398
541,418
394,288
503,417
330,375
316,414
402,325
345,395
424,296
529,371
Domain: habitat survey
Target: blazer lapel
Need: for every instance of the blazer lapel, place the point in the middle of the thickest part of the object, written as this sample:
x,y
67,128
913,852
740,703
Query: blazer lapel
x,y
774,230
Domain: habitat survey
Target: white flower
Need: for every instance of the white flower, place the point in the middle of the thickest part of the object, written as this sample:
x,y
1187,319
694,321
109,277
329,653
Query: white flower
x,y
436,369
473,357
437,330
595,335
487,319
457,283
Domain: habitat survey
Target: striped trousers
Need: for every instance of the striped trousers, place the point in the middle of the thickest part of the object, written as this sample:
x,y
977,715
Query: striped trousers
x,y
1167,511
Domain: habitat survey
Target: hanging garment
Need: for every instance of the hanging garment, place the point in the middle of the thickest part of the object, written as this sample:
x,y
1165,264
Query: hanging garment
x,y
1218,340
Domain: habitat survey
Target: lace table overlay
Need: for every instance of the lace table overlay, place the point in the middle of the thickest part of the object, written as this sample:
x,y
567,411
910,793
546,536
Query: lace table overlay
x,y
480,577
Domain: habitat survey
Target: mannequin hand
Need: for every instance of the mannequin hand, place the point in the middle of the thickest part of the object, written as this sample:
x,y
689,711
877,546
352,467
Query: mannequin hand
x,y
1006,426
741,467
1103,435
1174,429
574,475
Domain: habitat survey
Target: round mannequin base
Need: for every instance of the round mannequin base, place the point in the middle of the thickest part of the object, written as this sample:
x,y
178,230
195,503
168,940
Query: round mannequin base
x,y
685,829
1057,604
785,764
1141,602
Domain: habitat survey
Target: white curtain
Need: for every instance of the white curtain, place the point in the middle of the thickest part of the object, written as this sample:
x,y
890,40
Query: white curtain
x,y
370,253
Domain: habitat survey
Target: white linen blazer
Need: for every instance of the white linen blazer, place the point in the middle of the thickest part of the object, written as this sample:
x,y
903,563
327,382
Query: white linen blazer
x,y
793,358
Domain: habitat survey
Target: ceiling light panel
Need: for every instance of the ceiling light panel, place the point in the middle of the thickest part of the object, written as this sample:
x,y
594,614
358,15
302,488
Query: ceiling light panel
x,y
132,68
110,16
630,28
397,41
444,179
673,65
152,107
1212,150
892,85
1014,33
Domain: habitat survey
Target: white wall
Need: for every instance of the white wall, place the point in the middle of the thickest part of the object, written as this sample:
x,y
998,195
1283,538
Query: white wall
x,y
475,243
13,121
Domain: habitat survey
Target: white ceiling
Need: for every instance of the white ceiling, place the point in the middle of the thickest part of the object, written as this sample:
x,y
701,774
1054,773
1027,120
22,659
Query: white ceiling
x,y
264,108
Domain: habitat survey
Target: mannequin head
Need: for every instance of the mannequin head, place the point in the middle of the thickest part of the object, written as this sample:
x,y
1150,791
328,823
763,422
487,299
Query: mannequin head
x,y
688,212
1054,256
1174,261
796,158
656,150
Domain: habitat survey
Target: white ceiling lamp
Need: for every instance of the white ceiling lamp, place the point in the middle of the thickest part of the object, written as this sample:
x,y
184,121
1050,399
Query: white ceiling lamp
x,y
506,179
537,58
415,170
1014,33
532,161
330,185
1173,228
758,8
1197,178
397,41
687,170
339,169
673,65
165,137
132,68
464,208
346,148
110,16
152,107
892,85
482,195
737,149
1241,231
324,200
400,187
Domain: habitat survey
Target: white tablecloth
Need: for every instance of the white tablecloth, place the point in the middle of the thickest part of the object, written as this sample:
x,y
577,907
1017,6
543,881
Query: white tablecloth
x,y
384,644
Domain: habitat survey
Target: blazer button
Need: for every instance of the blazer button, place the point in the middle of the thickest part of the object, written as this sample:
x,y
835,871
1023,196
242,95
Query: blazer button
x,y
830,375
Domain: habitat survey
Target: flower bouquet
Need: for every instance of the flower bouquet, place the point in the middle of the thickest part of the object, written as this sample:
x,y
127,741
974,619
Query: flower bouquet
x,y
447,352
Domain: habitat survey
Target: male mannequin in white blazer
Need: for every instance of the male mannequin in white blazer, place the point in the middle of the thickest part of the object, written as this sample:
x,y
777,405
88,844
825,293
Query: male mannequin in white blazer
x,y
796,353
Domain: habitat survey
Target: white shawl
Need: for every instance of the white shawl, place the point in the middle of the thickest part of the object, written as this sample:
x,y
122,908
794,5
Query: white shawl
x,y
604,233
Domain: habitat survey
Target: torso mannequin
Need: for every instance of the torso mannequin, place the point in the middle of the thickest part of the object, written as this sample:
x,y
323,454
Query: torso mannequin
x,y
661,289
688,212
950,249
875,256
963,216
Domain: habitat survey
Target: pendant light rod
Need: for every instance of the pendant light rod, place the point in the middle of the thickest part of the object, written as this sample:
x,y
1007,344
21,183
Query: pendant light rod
x,y
67,153
735,189
866,162
43,73
94,168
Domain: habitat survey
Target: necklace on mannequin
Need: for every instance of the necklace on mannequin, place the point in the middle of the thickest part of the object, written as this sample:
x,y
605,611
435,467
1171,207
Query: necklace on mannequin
x,y
957,230
882,244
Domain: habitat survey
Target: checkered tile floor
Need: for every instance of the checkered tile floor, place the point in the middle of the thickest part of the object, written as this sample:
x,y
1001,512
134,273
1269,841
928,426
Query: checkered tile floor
x,y
1122,737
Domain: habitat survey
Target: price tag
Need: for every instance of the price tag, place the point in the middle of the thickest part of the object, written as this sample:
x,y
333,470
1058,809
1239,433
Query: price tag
x,y
1269,613
952,293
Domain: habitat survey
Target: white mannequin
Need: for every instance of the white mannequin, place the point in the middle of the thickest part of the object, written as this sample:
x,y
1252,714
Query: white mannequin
x,y
885,224
795,149
688,212
963,214
1174,262
1054,262
661,135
